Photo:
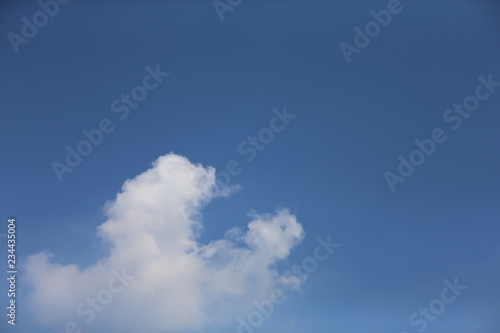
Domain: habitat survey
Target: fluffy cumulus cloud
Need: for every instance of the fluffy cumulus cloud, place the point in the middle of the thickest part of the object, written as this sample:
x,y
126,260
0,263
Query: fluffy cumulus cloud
x,y
160,276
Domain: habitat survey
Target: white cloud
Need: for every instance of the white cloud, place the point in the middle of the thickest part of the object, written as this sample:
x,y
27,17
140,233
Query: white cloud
x,y
152,229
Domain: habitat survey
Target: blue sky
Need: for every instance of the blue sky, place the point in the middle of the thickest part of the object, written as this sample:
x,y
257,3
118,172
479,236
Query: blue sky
x,y
326,166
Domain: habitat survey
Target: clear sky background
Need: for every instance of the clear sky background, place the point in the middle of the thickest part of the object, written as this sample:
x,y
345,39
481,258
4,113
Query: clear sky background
x,y
327,166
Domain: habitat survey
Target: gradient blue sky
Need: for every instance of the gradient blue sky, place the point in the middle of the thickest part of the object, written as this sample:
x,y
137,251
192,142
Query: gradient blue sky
x,y
353,120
